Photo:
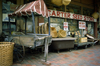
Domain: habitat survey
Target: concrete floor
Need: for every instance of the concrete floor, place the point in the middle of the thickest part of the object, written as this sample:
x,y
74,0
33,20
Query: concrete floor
x,y
80,57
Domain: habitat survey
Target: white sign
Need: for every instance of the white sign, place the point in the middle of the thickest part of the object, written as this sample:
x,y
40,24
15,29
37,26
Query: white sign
x,y
6,18
71,15
41,24
82,25
66,26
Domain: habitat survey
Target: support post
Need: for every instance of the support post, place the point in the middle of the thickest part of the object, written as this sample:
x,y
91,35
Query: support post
x,y
65,11
9,27
25,24
46,50
1,16
49,24
33,22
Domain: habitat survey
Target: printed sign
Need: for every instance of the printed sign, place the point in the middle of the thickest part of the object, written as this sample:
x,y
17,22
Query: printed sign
x,y
82,25
71,15
66,26
6,18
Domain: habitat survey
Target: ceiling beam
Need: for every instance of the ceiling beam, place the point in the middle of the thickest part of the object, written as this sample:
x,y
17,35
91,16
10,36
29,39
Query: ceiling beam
x,y
81,4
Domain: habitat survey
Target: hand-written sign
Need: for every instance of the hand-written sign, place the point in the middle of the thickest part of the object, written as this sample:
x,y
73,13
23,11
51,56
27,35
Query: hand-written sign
x,y
82,25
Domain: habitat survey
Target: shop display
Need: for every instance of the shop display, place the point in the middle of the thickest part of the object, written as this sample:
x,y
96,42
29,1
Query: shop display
x,y
61,34
82,39
53,32
31,40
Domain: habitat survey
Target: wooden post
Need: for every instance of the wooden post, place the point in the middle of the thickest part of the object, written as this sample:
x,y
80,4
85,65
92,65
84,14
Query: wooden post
x,y
99,15
65,11
82,33
0,16
46,49
81,10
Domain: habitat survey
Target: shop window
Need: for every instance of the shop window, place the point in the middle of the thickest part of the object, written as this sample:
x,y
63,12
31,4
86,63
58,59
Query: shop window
x,y
6,9
72,25
87,11
90,28
74,9
57,23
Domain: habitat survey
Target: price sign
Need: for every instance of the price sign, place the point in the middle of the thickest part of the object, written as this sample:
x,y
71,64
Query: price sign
x,y
65,26
82,25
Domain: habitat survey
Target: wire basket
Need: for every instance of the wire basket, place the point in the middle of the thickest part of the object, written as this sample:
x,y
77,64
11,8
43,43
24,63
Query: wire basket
x,y
6,53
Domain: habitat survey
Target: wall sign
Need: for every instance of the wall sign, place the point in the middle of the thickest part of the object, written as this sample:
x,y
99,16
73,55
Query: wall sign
x,y
6,18
82,25
71,15
66,26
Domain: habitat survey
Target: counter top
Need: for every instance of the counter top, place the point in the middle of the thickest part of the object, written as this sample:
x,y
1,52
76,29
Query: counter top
x,y
67,38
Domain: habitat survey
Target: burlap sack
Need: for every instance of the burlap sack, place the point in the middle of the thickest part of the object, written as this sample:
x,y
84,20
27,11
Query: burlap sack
x,y
36,29
53,32
57,2
42,29
66,2
39,29
61,33
46,28
95,15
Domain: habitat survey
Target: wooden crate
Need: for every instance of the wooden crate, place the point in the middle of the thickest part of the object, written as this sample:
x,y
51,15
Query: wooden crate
x,y
83,39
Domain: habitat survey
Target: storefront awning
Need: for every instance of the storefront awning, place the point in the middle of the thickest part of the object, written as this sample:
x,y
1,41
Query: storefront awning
x,y
35,6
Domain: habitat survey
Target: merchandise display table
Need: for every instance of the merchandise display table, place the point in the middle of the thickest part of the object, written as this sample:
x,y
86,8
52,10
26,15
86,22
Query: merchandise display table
x,y
84,44
62,43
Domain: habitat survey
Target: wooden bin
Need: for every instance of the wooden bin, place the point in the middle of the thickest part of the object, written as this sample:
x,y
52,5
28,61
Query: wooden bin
x,y
6,53
83,39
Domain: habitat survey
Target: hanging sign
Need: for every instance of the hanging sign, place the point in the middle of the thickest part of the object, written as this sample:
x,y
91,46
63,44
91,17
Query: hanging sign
x,y
66,26
82,25
71,15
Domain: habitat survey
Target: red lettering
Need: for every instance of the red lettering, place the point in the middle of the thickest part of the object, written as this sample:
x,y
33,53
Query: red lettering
x,y
80,17
53,13
88,18
74,16
62,14
58,13
79,22
84,17
91,19
65,26
82,22
68,15
65,15
49,12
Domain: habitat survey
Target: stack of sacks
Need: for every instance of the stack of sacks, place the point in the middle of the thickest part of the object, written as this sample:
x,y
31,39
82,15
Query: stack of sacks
x,y
53,32
61,33
46,28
